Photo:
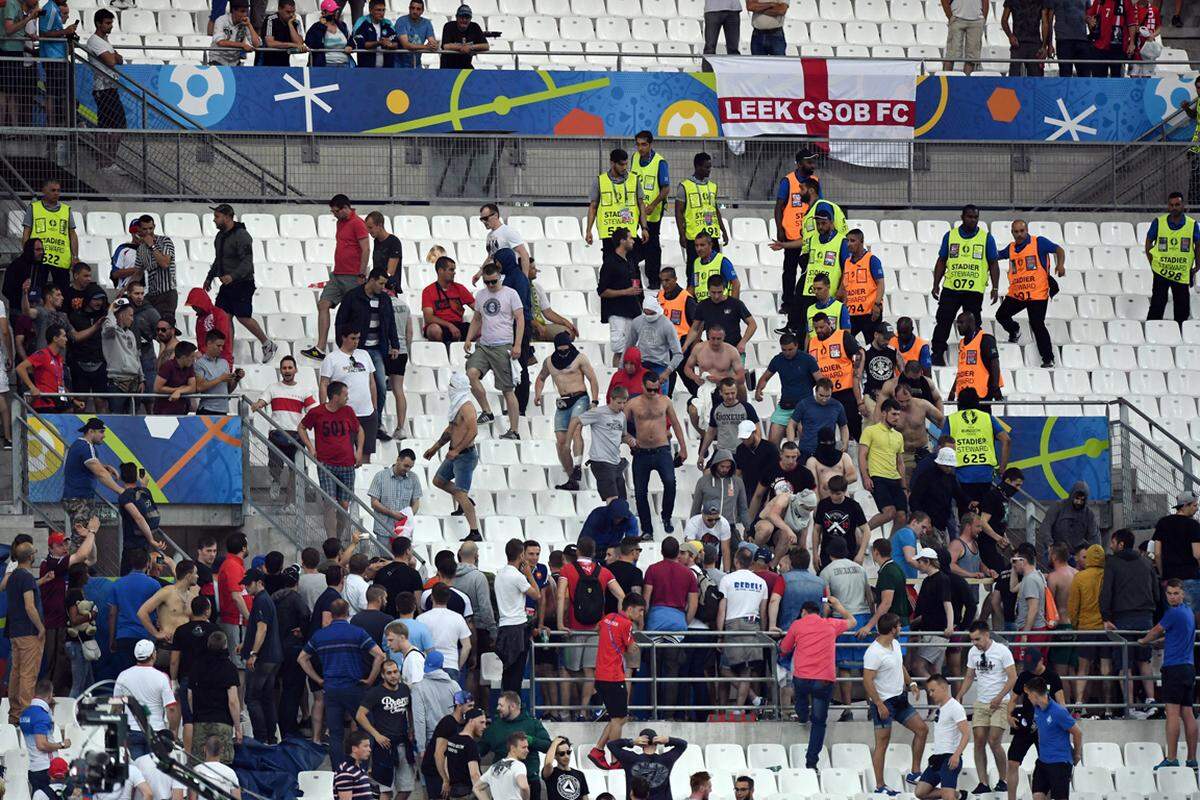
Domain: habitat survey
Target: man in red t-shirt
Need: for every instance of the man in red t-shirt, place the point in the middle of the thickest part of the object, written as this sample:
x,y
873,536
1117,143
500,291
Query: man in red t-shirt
x,y
614,644
232,596
579,656
775,584
351,251
442,304
339,448
42,372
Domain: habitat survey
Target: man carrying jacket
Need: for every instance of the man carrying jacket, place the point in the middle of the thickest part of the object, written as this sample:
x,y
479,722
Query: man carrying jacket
x,y
233,267
367,310
511,718
1129,596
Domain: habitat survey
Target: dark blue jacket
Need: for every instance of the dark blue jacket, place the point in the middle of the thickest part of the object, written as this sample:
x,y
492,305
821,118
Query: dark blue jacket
x,y
364,32
515,279
608,524
314,39
355,313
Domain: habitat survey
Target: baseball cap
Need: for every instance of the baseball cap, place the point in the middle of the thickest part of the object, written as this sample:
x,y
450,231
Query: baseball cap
x,y
462,698
434,661
946,457
57,537
464,11
329,6
746,428
695,547
885,328
823,212
59,769
143,649
1183,498
474,713
762,554
927,552
253,575
571,551
119,303
93,424
712,508
135,226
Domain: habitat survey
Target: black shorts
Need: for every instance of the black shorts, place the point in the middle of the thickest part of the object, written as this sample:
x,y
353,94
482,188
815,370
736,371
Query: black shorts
x,y
110,111
395,366
1052,780
614,697
1020,745
370,427
889,492
1178,685
447,336
1103,652
237,298
84,382
57,76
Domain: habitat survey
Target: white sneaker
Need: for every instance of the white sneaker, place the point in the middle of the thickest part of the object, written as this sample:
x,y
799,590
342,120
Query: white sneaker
x,y
269,349
275,491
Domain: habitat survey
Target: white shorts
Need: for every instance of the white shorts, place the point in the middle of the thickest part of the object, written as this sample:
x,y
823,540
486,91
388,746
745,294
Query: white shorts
x,y
618,333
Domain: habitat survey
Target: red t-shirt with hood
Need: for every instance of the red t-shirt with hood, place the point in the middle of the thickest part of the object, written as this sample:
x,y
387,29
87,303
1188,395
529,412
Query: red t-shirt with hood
x,y
632,383
208,317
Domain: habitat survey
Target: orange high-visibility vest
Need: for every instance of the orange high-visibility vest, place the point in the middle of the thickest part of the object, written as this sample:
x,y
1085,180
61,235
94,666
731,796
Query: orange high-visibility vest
x,y
794,209
831,357
862,290
676,310
1028,277
972,372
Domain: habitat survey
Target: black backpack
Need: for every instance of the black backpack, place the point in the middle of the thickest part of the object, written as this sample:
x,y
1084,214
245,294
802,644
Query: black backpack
x,y
710,599
587,603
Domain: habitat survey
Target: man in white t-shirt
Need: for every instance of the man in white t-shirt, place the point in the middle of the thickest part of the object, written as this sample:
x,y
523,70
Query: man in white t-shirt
x,y
708,523
506,779
500,236
110,112
212,769
352,366
887,684
145,685
743,608
990,665
951,732
514,582
402,651
135,787
499,325
288,401
162,785
451,636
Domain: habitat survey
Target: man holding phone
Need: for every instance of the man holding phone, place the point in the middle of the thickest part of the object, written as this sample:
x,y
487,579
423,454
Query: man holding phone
x,y
139,515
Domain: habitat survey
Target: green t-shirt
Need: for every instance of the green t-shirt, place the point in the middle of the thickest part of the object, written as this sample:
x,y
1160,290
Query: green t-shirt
x,y
12,13
892,577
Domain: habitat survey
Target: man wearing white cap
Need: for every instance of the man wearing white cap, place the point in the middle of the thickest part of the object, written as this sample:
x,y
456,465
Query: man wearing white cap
x,y
933,615
151,689
655,336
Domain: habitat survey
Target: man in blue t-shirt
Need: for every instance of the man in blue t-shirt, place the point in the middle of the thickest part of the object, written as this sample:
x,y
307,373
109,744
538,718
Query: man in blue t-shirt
x,y
906,542
414,34
52,46
1060,744
813,414
129,593
798,371
81,469
1178,628
37,726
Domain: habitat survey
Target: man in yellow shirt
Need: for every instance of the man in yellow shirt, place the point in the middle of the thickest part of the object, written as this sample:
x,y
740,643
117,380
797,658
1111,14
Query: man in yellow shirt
x,y
881,464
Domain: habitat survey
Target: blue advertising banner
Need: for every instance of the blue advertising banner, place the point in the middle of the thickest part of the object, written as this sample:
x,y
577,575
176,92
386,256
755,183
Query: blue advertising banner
x,y
1054,452
539,103
186,459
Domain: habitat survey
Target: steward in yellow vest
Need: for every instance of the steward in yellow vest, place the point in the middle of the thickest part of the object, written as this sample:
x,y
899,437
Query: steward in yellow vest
x,y
710,261
615,203
654,185
1171,249
981,445
965,265
49,220
696,210
797,194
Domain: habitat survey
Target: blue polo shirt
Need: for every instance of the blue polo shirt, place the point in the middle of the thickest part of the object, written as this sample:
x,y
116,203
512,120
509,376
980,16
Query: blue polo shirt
x,y
129,593
795,375
990,247
1054,738
976,473
342,649
36,719
813,416
78,480
1179,625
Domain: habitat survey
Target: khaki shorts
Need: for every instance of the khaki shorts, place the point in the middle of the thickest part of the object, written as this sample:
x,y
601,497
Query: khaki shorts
x,y
982,716
338,286
964,40
493,358
202,730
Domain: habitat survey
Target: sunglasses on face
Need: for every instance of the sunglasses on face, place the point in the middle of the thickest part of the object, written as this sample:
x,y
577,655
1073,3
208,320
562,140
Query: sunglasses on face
x,y
491,283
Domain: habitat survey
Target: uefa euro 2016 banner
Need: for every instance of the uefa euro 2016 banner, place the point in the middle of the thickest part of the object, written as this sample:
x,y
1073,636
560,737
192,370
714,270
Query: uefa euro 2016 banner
x,y
194,460
1054,452
823,95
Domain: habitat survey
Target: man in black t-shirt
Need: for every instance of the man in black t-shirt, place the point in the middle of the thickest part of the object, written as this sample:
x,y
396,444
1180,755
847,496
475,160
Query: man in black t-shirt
x,y
458,761
139,516
1178,538
625,570
189,642
933,615
995,546
728,312
399,576
753,455
293,617
385,713
839,516
281,36
620,290
880,364
562,782
386,251
465,38
373,619
641,758
262,654
321,614
787,467
1020,718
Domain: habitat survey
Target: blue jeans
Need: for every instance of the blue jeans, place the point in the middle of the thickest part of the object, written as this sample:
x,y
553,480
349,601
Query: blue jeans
x,y
137,745
768,43
81,668
819,694
340,703
377,355
645,461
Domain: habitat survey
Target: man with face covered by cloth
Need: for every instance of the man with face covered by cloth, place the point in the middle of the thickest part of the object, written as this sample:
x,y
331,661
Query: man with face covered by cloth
x,y
655,336
568,368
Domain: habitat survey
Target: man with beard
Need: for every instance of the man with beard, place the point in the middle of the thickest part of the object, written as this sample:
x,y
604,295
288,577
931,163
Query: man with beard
x,y
880,363
568,368
85,358
915,414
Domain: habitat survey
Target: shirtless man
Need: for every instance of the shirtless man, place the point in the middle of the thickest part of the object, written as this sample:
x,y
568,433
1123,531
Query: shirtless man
x,y
786,520
172,604
455,473
1065,660
568,368
651,414
914,414
716,360
919,386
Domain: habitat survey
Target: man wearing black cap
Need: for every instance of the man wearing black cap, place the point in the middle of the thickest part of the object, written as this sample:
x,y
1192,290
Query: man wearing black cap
x,y
461,35
81,469
647,761
1020,720
233,267
262,653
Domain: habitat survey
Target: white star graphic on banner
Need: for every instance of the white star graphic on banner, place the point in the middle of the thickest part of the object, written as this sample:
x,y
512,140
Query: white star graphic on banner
x,y
311,95
1068,124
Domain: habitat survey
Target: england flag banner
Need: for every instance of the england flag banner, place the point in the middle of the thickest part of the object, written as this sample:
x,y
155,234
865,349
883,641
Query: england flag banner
x,y
836,99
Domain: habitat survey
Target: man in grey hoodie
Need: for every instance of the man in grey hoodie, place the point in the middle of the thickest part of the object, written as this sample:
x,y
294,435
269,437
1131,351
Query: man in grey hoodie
x,y
432,699
655,336
721,485
233,267
122,356
1069,521
474,584
1129,596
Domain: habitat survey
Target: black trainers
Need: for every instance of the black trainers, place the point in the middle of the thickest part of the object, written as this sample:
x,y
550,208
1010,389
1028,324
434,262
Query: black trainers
x,y
473,536
577,474
1049,364
314,353
457,512
383,435
569,486
982,788
484,418
511,435
1014,338
1176,21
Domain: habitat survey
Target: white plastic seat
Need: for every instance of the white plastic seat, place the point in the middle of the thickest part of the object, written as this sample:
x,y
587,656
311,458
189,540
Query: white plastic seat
x,y
1092,779
1176,780
841,781
648,30
729,756
1137,779
826,32
897,231
1118,234
799,782
766,756
1143,754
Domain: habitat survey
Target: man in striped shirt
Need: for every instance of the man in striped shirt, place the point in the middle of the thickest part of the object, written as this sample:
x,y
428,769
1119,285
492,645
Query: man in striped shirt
x,y
350,781
288,401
